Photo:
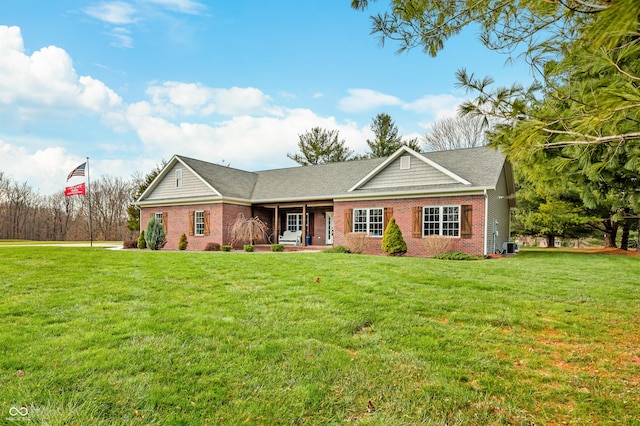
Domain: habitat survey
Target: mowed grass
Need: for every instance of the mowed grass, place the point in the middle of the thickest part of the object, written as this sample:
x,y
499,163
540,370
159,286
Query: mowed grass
x,y
100,337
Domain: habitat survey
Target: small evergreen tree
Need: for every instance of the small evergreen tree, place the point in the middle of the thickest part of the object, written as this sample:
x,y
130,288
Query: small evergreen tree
x,y
387,141
182,244
154,235
392,241
142,244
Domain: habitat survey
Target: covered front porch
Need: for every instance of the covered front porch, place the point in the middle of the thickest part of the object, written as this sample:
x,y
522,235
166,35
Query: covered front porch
x,y
311,221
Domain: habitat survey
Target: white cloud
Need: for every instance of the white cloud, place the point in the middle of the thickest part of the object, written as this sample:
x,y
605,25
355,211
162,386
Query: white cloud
x,y
176,98
116,12
45,84
244,141
184,6
45,170
439,106
318,95
121,37
361,100
11,40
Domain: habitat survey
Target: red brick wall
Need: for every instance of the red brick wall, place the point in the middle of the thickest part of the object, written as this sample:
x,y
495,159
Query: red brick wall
x,y
402,212
221,217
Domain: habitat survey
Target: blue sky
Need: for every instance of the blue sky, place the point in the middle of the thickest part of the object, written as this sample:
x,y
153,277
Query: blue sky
x,y
129,83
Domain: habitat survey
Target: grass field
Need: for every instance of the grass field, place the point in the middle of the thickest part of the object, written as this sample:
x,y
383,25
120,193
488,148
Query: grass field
x,y
95,336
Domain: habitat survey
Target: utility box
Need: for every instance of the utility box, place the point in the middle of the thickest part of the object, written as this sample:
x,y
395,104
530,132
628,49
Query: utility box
x,y
509,247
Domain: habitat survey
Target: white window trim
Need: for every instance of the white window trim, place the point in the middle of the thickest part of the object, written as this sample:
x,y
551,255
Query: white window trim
x,y
158,216
440,222
195,223
368,222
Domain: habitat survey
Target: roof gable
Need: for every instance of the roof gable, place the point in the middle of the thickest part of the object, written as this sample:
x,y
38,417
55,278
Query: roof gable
x,y
407,168
226,181
199,180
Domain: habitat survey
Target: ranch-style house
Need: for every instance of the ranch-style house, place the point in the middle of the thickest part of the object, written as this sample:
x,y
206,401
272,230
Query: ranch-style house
x,y
465,194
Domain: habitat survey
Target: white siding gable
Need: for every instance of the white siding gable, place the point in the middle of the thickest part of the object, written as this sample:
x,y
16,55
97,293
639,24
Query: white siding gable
x,y
397,174
192,186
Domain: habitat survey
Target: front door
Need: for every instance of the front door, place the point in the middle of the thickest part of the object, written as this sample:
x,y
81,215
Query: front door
x,y
329,236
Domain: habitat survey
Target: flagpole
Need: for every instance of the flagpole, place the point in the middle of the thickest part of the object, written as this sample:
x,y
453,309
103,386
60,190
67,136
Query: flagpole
x,y
89,198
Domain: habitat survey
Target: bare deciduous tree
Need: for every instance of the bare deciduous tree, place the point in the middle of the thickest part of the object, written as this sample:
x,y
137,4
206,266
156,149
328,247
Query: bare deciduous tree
x,y
248,230
456,132
110,197
27,215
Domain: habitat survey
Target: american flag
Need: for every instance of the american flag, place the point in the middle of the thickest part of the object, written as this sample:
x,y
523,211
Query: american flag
x,y
78,171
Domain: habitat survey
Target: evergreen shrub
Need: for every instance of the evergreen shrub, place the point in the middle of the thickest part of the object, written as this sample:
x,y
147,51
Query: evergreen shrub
x,y
154,235
392,242
456,255
142,243
182,244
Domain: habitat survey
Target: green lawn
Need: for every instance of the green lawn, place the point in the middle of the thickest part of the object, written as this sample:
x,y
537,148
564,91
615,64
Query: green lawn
x,y
94,336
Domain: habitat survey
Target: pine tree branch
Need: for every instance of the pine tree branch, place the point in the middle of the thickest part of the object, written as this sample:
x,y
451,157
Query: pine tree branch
x,y
589,139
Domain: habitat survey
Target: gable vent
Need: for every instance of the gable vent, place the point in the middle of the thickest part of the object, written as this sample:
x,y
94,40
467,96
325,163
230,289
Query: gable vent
x,y
405,162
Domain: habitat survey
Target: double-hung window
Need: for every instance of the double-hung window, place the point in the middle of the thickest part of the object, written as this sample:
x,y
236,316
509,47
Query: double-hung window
x,y
198,222
158,216
441,220
369,221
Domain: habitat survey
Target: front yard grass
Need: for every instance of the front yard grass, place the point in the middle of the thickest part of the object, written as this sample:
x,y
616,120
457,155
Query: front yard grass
x,y
93,336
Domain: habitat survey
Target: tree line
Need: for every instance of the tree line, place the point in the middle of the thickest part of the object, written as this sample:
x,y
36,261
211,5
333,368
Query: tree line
x,y
27,215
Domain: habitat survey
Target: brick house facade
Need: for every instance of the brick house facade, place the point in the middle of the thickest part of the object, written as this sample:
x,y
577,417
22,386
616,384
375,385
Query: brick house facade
x,y
465,194
403,212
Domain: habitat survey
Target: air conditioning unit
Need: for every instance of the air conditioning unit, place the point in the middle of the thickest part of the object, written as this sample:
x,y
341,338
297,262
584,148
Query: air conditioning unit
x,y
509,247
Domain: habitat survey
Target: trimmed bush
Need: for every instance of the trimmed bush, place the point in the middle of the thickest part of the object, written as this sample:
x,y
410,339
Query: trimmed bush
x,y
212,247
337,249
437,245
130,244
249,248
225,248
154,235
182,244
392,242
356,242
142,244
277,247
